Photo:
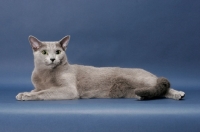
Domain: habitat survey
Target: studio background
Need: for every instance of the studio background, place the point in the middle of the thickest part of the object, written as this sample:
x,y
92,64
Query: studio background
x,y
161,36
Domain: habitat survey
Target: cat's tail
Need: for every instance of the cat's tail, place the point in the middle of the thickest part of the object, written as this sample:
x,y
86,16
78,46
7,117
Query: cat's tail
x,y
160,89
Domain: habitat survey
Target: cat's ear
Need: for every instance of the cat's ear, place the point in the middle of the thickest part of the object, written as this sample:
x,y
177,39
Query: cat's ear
x,y
64,42
35,43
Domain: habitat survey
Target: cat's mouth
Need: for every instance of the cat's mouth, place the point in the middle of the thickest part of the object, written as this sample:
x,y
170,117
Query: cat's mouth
x,y
52,64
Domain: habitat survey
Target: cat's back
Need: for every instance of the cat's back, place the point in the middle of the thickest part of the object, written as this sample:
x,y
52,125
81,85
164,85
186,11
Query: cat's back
x,y
91,71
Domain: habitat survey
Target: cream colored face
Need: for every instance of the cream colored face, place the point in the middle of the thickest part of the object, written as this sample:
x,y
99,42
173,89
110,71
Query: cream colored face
x,y
50,54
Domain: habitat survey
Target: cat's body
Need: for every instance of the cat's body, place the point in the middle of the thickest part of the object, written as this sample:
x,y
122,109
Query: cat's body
x,y
55,79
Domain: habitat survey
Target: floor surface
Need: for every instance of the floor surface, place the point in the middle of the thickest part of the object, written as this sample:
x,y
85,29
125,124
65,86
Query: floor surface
x,y
99,114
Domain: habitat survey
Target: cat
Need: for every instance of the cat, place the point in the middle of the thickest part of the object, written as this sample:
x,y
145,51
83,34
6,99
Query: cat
x,y
55,79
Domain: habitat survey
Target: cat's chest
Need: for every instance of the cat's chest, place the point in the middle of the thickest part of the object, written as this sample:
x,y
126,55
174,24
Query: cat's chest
x,y
45,80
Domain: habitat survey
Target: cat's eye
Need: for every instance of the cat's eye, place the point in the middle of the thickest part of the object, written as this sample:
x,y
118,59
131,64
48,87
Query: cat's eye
x,y
58,51
44,52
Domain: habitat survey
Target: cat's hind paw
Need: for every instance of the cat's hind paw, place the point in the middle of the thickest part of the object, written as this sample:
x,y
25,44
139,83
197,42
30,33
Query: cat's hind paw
x,y
177,95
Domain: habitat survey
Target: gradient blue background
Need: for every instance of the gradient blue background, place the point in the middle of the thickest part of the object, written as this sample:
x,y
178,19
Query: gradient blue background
x,y
161,36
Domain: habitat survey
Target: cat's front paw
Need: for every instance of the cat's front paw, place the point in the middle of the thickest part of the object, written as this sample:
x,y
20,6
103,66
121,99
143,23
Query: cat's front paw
x,y
25,96
19,96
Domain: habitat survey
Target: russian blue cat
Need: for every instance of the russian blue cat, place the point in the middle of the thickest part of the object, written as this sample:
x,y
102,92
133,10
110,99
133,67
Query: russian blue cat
x,y
55,79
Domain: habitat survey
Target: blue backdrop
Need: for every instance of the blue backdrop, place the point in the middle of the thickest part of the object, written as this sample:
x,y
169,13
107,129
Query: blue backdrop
x,y
161,36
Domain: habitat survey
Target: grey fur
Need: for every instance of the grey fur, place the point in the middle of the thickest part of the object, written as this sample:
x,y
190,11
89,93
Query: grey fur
x,y
160,89
55,79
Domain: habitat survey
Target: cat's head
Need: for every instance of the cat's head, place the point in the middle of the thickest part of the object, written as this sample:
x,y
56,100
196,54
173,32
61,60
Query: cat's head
x,y
48,55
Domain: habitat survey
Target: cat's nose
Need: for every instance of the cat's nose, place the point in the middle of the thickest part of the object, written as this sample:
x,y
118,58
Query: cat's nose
x,y
52,59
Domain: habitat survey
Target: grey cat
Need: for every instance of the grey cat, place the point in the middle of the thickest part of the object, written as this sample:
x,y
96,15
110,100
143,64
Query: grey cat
x,y
55,79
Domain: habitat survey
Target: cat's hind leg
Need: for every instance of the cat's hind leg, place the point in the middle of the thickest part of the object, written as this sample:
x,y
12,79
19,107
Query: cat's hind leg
x,y
123,87
118,90
158,90
174,94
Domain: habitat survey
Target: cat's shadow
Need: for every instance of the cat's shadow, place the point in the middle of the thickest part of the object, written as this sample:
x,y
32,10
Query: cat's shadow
x,y
156,98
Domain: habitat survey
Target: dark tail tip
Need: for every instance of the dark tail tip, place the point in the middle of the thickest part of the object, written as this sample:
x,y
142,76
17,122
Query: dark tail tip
x,y
163,82
163,85
160,89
